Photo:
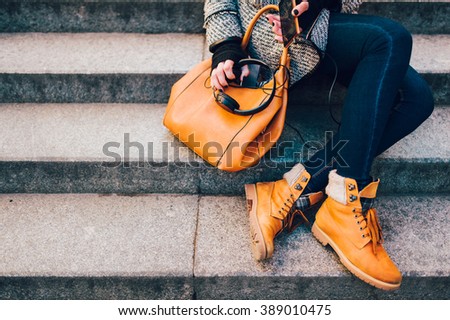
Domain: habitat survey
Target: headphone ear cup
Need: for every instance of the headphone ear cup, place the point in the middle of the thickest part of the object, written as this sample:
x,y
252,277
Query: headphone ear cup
x,y
227,102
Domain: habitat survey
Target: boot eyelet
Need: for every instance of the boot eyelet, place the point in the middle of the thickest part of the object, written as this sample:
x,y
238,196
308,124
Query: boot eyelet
x,y
356,216
353,198
363,235
358,222
351,187
360,228
298,187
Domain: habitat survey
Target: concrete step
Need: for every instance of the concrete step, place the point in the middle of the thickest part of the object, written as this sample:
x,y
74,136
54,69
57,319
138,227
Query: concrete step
x,y
137,68
141,16
418,16
120,148
94,67
149,16
120,247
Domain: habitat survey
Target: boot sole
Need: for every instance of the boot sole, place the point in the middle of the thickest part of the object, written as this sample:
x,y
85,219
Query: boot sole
x,y
324,239
258,244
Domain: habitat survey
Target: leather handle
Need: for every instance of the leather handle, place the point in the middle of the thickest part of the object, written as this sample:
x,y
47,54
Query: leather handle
x,y
252,24
248,33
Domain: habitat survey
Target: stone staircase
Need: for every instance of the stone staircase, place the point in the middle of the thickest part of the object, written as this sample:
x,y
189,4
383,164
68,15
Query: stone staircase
x,y
83,84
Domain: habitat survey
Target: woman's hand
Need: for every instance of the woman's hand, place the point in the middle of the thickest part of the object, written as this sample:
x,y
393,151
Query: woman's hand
x,y
274,19
224,73
220,74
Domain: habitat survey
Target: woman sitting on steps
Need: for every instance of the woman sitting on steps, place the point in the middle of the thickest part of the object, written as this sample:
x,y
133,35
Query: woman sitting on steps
x,y
386,100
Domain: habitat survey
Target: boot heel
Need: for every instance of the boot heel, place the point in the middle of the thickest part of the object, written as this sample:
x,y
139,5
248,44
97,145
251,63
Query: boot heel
x,y
258,244
319,235
250,195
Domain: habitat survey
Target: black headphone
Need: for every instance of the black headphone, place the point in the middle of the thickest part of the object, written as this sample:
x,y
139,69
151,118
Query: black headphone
x,y
231,105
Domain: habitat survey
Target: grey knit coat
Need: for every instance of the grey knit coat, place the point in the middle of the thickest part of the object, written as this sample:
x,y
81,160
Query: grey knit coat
x,y
230,18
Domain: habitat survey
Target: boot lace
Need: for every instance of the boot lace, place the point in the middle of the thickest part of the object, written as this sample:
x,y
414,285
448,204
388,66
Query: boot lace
x,y
371,227
290,212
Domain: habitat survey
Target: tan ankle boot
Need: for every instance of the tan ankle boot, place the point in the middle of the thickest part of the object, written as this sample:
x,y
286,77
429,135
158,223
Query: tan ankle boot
x,y
355,235
271,208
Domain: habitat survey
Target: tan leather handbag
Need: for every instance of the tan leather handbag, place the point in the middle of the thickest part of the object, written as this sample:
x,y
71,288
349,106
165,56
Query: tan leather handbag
x,y
230,140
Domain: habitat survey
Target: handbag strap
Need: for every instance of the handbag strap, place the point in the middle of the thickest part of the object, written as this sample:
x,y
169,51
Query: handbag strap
x,y
251,26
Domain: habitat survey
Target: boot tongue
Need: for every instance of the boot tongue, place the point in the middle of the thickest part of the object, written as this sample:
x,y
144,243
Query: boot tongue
x,y
368,194
370,191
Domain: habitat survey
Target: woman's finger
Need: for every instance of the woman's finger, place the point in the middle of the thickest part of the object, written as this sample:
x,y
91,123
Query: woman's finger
x,y
228,69
245,71
273,17
300,8
221,76
274,20
277,27
214,82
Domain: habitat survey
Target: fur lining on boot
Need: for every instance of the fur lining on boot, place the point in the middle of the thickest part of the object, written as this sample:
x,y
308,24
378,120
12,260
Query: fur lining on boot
x,y
336,187
292,175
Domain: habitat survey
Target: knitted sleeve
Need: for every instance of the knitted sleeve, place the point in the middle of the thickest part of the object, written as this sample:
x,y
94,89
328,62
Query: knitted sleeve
x,y
350,6
221,20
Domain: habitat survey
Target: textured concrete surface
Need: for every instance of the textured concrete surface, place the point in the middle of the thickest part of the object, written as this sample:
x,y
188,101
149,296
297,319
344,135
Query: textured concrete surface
x,y
429,56
96,177
94,132
419,17
124,68
60,148
96,288
101,16
100,53
325,288
96,246
121,247
97,235
439,83
97,132
415,237
187,16
90,53
86,88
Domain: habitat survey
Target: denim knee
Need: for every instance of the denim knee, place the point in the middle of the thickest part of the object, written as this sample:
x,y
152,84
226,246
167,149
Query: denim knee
x,y
419,94
426,100
391,37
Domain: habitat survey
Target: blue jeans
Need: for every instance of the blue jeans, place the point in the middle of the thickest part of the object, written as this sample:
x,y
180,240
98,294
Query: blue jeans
x,y
386,98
